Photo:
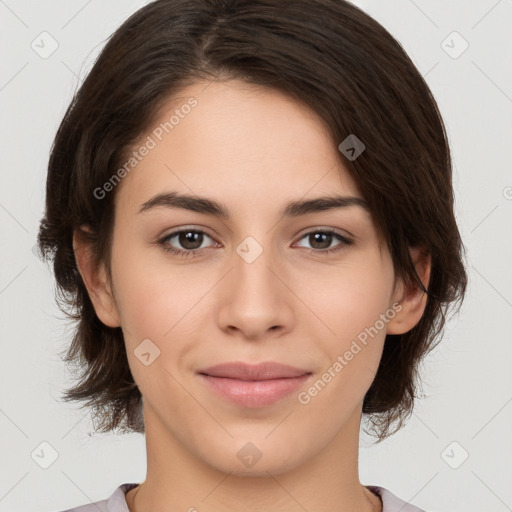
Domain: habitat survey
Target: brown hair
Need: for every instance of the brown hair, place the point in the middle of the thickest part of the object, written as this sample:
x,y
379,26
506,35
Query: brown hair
x,y
327,54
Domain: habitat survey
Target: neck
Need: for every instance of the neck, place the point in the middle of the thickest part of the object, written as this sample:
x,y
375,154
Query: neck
x,y
179,480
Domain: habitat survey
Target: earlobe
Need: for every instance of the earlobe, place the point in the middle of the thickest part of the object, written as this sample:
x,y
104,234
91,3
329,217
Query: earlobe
x,y
412,300
96,280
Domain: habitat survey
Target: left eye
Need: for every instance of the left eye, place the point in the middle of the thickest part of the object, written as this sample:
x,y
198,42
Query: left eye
x,y
191,240
324,239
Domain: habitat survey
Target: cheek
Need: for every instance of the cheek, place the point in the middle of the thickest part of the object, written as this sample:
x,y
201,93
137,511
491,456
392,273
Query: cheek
x,y
151,296
353,314
155,310
350,363
144,311
162,303
348,299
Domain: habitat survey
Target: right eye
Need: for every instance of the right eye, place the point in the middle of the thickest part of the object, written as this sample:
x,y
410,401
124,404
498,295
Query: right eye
x,y
190,239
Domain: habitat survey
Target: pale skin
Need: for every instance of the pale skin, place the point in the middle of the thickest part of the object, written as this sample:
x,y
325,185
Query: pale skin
x,y
253,150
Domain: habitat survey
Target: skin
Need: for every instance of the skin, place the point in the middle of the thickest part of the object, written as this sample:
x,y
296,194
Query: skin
x,y
254,150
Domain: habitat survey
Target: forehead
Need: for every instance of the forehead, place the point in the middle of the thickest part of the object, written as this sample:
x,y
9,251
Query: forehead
x,y
245,142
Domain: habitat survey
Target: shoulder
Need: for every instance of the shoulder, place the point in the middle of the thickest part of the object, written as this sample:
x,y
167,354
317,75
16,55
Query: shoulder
x,y
390,502
115,503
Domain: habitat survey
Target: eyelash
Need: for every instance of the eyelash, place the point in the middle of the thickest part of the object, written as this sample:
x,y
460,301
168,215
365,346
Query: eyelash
x,y
196,252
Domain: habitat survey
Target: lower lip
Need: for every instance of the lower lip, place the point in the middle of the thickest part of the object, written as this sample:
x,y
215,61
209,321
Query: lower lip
x,y
258,393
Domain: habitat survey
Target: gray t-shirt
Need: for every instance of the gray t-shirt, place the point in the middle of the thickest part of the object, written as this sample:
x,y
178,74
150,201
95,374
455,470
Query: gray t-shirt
x,y
117,502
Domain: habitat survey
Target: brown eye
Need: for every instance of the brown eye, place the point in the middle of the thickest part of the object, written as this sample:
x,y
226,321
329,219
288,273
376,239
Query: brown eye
x,y
190,239
188,242
320,241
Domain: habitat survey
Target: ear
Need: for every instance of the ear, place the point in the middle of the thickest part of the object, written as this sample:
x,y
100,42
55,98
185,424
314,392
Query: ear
x,y
95,279
412,300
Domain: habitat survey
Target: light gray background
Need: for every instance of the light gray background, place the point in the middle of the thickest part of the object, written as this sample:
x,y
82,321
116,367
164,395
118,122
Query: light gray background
x,y
468,378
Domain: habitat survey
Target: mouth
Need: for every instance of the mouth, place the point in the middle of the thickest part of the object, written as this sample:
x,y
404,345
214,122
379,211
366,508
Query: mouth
x,y
253,386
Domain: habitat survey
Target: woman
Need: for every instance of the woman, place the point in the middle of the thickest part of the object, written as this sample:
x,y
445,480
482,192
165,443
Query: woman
x,y
250,211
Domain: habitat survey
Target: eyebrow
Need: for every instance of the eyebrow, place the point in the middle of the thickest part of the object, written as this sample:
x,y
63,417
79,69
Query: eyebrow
x,y
217,209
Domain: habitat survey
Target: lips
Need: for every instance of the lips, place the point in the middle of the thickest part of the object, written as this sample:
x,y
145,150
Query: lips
x,y
262,371
253,386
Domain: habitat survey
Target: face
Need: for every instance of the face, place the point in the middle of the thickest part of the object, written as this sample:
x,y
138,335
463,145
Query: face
x,y
192,289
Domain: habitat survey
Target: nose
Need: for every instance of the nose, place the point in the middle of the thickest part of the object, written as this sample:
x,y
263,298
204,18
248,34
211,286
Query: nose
x,y
256,300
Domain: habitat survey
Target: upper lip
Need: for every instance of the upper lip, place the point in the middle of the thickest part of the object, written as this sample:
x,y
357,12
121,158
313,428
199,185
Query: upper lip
x,y
262,371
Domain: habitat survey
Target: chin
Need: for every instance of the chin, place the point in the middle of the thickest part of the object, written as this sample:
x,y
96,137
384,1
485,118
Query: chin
x,y
247,459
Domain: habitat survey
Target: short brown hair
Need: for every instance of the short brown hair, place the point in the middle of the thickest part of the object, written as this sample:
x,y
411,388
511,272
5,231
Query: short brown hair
x,y
329,55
